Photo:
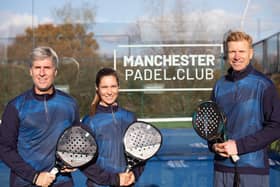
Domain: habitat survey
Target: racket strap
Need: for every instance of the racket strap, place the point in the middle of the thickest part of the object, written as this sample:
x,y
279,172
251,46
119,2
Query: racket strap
x,y
236,178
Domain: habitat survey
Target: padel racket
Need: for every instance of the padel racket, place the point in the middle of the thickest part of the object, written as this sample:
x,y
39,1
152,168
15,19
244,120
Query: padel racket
x,y
76,147
209,123
141,142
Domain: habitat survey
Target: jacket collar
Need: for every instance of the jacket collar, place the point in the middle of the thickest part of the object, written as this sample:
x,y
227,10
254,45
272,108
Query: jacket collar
x,y
238,75
107,109
42,97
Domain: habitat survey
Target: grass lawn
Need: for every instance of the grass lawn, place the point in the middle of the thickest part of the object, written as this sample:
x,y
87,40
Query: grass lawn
x,y
174,125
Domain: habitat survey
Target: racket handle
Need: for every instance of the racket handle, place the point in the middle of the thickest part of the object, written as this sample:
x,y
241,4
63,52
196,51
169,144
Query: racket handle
x,y
128,168
235,158
54,171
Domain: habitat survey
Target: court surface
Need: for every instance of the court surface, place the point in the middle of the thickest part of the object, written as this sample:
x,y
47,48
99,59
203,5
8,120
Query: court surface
x,y
183,161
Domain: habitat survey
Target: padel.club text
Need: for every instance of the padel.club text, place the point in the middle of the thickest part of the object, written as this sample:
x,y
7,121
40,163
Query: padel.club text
x,y
169,67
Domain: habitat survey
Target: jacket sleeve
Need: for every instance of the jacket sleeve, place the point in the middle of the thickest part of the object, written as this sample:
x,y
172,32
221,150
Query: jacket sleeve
x,y
8,145
100,176
97,174
271,125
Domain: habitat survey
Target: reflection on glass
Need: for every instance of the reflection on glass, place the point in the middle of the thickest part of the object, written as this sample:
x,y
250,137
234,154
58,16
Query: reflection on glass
x,y
272,54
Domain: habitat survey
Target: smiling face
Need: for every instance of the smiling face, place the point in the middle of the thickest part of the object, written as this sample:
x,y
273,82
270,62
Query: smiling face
x,y
239,54
108,90
43,73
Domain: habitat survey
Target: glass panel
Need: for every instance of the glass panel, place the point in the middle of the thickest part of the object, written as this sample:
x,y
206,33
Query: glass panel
x,y
167,48
272,60
258,56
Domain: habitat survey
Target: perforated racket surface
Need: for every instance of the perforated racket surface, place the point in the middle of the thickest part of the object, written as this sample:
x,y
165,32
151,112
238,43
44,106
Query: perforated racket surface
x,y
208,121
141,142
76,147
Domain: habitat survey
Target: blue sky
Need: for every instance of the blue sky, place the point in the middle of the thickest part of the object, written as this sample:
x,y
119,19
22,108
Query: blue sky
x,y
261,18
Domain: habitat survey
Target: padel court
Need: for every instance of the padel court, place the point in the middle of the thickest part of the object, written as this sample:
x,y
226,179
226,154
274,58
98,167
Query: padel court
x,y
182,161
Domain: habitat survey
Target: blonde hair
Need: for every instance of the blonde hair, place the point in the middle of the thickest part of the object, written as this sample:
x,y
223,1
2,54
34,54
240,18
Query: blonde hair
x,y
94,104
235,36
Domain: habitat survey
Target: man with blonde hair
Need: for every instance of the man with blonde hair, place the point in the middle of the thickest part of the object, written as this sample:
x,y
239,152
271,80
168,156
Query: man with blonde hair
x,y
251,105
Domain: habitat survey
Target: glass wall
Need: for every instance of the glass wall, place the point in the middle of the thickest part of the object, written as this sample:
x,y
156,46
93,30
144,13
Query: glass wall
x,y
259,56
266,53
272,54
267,57
170,49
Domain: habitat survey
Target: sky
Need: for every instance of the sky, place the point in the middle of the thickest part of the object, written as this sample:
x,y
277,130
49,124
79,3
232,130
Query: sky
x,y
260,18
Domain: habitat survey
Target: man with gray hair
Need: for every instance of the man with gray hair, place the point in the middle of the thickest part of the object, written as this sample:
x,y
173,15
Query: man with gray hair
x,y
32,123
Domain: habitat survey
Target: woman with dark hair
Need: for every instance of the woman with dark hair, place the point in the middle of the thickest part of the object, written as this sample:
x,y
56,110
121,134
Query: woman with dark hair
x,y
108,122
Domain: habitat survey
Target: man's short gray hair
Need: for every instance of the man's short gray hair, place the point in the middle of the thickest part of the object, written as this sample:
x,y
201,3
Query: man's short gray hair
x,y
43,52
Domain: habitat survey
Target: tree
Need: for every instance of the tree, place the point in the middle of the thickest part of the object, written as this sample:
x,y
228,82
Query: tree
x,y
70,40
76,47
84,14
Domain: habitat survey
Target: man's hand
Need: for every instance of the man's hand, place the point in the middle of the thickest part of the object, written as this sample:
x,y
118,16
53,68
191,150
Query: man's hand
x,y
225,149
219,149
126,179
45,179
230,147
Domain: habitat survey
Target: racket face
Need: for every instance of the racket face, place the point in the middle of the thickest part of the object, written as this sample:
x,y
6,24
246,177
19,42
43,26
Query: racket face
x,y
76,147
142,140
207,121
